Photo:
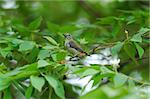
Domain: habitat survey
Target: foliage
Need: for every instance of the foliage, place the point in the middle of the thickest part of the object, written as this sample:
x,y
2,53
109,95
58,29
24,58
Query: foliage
x,y
32,48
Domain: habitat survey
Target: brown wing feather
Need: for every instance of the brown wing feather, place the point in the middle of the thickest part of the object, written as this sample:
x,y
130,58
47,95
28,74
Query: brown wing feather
x,y
75,46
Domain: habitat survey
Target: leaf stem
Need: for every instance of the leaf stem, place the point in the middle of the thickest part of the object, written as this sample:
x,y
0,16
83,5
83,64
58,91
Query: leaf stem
x,y
50,93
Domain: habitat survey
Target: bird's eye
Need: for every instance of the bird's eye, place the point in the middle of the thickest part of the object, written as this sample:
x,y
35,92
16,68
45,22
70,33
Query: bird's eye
x,y
68,34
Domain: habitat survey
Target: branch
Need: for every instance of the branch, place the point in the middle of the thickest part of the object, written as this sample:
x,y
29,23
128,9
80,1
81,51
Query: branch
x,y
89,9
128,61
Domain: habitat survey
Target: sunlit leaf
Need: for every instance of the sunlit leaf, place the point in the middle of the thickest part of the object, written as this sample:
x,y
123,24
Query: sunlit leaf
x,y
58,56
51,40
143,30
105,70
136,38
57,85
83,41
50,47
89,72
26,45
37,82
42,63
43,54
17,41
79,71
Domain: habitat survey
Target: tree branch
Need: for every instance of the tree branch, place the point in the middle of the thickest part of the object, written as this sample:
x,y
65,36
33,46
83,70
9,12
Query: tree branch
x,y
89,9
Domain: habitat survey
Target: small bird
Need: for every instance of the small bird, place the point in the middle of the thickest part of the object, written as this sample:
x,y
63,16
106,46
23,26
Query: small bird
x,y
73,47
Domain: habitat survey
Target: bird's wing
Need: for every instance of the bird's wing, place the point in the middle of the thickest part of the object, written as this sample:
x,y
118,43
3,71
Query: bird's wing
x,y
75,46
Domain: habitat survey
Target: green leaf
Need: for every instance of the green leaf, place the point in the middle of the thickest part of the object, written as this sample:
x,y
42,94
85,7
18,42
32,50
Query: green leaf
x,y
51,40
57,85
37,82
58,56
42,63
130,50
146,40
54,57
24,31
33,55
89,72
43,54
131,83
116,49
130,20
53,27
83,41
29,67
35,24
16,41
11,73
105,70
139,49
28,92
50,47
19,87
4,83
136,75
136,38
107,20
116,29
97,79
143,30
7,93
78,71
119,79
26,45
98,93
6,51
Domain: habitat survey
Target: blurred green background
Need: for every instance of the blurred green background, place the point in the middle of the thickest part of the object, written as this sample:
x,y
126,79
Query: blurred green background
x,y
90,22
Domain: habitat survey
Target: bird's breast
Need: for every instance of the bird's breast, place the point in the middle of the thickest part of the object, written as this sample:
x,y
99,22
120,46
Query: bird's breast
x,y
67,44
71,50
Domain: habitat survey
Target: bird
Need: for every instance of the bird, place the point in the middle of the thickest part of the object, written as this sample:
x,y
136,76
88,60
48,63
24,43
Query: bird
x,y
73,47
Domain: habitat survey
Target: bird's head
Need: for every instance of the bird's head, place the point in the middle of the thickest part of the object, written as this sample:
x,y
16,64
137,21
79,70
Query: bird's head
x,y
67,36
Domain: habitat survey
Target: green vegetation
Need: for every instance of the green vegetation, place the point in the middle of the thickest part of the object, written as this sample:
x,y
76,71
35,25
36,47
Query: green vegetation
x,y
32,48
